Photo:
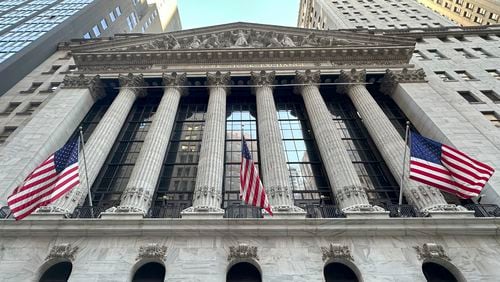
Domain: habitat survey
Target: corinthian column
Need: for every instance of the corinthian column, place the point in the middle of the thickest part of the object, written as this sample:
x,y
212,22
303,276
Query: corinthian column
x,y
347,188
273,165
208,188
138,194
390,144
102,139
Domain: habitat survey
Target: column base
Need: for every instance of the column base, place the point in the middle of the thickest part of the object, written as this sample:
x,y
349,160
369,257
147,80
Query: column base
x,y
448,210
288,212
365,211
122,213
202,213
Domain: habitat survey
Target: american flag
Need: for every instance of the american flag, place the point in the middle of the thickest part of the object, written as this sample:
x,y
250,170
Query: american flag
x,y
251,189
446,168
48,182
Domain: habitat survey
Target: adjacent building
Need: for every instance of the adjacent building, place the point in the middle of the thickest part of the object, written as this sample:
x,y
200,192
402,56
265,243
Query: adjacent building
x,y
31,29
466,13
323,111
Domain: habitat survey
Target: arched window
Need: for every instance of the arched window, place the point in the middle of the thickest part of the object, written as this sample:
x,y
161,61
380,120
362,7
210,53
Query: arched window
x,y
337,271
243,272
59,272
150,272
437,273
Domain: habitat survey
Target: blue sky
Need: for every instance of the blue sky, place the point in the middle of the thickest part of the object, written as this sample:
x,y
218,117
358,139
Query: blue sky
x,y
200,13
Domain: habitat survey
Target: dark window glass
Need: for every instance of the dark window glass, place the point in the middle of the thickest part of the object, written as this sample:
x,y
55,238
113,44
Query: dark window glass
x,y
436,273
467,95
339,272
59,272
150,272
307,175
243,272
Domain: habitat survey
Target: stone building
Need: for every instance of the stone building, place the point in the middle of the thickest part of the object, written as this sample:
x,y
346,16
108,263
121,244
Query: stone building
x,y
467,13
162,117
31,29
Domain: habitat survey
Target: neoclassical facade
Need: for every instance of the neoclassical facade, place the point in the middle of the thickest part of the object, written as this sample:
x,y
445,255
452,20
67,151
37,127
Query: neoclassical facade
x,y
162,116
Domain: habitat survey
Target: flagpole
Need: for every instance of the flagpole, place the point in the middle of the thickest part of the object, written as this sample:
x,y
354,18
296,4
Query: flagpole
x,y
241,151
401,184
86,174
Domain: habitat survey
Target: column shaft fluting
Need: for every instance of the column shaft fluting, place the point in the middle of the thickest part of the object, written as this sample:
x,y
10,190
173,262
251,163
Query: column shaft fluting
x,y
144,177
209,179
275,175
101,141
346,185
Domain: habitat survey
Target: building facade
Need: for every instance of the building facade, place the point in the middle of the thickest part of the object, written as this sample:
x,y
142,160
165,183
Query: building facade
x,y
324,115
31,29
467,13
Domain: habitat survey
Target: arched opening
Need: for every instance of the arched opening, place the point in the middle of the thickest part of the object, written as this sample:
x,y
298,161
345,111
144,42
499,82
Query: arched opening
x,y
434,272
150,272
339,272
59,272
243,272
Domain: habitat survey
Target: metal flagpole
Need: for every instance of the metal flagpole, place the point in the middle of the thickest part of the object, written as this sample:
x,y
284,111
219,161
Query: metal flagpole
x,y
241,151
404,164
86,174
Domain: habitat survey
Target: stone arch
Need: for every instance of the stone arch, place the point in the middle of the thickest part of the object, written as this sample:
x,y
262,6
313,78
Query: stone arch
x,y
148,270
341,270
435,269
55,270
244,270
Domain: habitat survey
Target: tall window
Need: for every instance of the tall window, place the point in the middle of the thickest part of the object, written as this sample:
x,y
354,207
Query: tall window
x,y
372,171
307,174
115,173
178,177
240,110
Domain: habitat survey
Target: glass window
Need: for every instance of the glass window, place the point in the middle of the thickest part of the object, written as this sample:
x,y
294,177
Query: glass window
x,y
465,54
87,35
492,95
419,55
104,24
467,95
493,117
112,16
10,108
118,11
465,75
129,23
436,54
444,76
96,30
494,73
481,11
483,53
6,132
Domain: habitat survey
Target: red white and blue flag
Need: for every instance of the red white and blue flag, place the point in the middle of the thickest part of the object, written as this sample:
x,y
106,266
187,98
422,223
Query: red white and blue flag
x,y
251,189
446,168
56,176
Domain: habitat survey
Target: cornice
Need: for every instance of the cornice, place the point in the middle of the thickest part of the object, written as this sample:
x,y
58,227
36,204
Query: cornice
x,y
450,226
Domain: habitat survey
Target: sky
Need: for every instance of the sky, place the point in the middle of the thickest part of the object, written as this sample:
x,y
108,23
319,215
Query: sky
x,y
201,13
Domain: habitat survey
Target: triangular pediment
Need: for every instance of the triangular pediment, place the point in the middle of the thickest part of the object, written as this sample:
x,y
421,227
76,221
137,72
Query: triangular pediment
x,y
239,36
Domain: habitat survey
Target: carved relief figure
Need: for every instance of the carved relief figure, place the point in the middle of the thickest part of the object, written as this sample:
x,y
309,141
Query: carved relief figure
x,y
211,42
241,40
255,39
287,41
195,44
309,41
173,43
272,39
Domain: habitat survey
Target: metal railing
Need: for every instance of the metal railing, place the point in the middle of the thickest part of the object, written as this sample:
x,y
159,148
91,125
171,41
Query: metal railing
x,y
5,213
88,212
165,212
403,211
242,211
486,210
323,211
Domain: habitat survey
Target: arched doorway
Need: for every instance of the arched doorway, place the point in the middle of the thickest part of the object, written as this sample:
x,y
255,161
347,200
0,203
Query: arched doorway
x,y
339,272
59,272
434,272
150,272
243,272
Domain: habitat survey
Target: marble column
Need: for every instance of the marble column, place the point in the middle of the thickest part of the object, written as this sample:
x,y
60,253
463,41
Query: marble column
x,y
390,144
137,197
101,141
275,174
350,194
209,179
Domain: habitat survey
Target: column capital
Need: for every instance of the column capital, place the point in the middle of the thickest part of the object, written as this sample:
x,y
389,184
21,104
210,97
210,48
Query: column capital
x,y
93,83
134,82
307,77
175,80
262,78
392,78
352,76
219,79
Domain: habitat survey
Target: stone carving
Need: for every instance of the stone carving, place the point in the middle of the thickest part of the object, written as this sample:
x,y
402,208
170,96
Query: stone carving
x,y
352,76
134,82
262,78
274,191
242,251
307,78
311,41
152,251
219,79
175,80
93,83
392,78
206,191
336,251
65,251
431,251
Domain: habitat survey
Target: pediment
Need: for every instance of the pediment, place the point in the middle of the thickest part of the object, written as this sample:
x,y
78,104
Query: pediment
x,y
240,43
240,36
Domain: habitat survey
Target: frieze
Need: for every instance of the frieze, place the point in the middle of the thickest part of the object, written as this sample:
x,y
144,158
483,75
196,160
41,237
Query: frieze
x,y
152,251
62,251
336,251
242,251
